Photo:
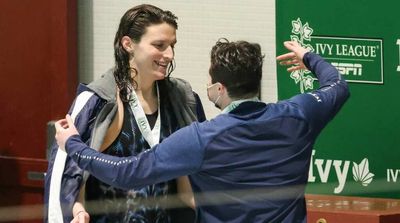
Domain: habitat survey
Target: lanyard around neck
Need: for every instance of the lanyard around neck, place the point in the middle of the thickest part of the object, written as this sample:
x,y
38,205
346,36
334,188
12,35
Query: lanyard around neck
x,y
151,136
235,104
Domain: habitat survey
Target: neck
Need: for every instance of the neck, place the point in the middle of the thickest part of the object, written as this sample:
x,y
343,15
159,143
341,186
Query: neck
x,y
146,93
148,98
233,103
225,102
145,87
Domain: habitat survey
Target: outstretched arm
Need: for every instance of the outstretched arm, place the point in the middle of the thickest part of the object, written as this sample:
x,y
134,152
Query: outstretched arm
x,y
178,155
321,105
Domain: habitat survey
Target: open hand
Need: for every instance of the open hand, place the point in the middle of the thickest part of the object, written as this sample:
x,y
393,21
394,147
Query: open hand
x,y
294,59
64,129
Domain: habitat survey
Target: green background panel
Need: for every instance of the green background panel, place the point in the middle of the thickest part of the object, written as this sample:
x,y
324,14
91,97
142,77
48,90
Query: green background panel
x,y
368,126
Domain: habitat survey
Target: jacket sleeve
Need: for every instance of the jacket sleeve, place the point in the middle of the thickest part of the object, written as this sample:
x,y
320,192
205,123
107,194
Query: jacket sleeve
x,y
72,174
178,155
321,105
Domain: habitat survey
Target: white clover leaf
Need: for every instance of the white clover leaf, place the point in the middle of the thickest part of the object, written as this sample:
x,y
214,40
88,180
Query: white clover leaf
x,y
302,33
296,76
296,24
308,82
307,31
294,38
309,47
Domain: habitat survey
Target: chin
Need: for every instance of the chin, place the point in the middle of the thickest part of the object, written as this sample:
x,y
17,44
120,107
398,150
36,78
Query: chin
x,y
160,76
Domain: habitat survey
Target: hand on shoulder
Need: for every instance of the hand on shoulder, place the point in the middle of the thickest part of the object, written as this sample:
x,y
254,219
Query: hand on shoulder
x,y
64,129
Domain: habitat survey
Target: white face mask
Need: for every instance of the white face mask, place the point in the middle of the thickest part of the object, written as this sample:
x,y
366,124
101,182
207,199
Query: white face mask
x,y
209,98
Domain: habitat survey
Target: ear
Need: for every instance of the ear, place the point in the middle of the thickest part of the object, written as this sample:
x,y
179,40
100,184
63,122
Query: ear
x,y
128,44
221,87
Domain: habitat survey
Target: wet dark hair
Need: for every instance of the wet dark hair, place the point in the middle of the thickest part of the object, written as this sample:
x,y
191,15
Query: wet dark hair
x,y
134,24
238,66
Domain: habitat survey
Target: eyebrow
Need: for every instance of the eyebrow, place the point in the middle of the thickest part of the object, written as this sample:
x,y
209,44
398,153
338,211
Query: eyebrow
x,y
164,41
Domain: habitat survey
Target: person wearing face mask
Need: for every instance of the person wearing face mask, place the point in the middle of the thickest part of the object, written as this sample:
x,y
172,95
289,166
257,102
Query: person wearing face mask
x,y
248,164
215,102
133,107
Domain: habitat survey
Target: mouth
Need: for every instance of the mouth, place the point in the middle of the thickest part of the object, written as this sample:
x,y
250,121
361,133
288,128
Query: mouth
x,y
162,64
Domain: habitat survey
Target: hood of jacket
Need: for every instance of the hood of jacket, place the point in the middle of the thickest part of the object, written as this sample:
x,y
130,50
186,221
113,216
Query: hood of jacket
x,y
105,87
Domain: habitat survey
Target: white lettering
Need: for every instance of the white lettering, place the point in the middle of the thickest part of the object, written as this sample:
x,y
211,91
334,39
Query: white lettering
x,y
320,48
398,43
392,175
340,48
323,172
325,169
311,177
356,51
341,174
348,68
387,175
373,51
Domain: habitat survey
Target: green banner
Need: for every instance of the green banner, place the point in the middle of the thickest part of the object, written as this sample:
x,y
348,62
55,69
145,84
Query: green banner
x,y
358,153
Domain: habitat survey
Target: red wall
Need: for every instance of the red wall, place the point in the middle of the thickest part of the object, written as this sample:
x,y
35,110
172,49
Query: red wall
x,y
38,77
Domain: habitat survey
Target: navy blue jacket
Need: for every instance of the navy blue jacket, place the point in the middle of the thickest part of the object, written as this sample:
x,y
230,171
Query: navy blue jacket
x,y
249,165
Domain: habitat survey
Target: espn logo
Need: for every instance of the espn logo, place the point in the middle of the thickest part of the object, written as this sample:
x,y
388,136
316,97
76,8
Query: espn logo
x,y
349,68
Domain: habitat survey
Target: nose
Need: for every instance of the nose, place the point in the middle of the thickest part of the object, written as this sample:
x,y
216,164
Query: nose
x,y
169,53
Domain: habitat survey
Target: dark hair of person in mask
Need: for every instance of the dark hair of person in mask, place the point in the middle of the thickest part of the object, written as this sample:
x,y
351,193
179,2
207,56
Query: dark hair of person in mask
x,y
238,66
